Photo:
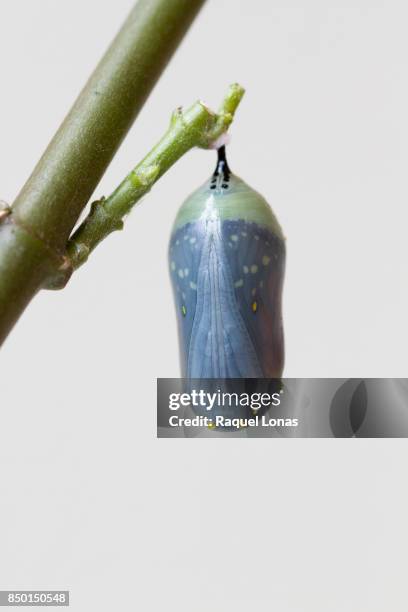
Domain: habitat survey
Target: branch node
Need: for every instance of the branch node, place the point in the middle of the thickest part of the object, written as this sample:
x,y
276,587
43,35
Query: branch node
x,y
145,176
81,252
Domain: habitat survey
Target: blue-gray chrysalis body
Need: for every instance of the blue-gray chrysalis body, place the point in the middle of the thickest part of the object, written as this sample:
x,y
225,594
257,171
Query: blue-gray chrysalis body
x,y
227,260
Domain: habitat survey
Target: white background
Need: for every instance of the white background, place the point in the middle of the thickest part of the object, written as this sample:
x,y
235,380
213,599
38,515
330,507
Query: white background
x,y
90,500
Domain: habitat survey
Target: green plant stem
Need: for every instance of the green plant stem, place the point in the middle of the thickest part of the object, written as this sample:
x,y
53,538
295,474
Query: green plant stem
x,y
51,201
66,176
196,127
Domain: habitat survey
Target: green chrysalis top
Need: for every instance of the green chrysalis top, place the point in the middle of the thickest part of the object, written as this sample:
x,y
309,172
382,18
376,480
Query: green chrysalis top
x,y
239,202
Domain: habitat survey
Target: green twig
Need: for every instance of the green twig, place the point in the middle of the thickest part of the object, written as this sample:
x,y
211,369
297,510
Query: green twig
x,y
196,127
34,235
66,176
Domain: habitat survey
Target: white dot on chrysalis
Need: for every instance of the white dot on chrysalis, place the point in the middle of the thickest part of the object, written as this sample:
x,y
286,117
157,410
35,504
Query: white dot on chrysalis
x,y
181,273
266,260
254,269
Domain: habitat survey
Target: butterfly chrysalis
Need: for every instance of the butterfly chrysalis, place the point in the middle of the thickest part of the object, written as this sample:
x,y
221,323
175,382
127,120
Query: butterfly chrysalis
x,y
227,260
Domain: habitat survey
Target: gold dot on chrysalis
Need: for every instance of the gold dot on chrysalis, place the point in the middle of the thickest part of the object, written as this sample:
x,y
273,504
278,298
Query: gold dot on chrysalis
x,y
254,306
183,310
